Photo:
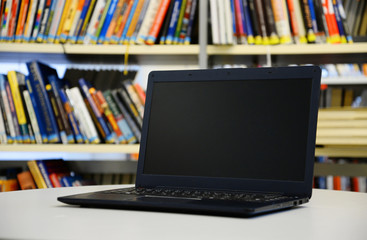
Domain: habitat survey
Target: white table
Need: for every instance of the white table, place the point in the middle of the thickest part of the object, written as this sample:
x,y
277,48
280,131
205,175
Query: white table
x,y
36,214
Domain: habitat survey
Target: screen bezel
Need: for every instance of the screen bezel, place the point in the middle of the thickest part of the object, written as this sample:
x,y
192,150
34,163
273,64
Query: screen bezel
x,y
289,187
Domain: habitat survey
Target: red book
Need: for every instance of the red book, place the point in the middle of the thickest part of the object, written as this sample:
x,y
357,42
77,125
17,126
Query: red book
x,y
156,27
21,19
140,92
337,183
54,177
13,19
331,23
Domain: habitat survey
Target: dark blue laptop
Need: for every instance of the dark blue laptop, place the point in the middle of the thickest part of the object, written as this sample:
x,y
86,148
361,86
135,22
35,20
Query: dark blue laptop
x,y
235,142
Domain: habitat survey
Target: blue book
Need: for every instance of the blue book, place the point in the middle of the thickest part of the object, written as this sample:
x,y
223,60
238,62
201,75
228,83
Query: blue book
x,y
128,21
313,16
81,20
109,136
107,21
173,22
191,22
38,80
248,23
43,169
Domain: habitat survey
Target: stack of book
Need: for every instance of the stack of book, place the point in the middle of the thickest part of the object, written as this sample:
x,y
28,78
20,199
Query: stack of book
x,y
344,183
98,21
84,107
287,21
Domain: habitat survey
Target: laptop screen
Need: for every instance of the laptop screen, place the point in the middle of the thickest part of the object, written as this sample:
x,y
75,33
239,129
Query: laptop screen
x,y
246,129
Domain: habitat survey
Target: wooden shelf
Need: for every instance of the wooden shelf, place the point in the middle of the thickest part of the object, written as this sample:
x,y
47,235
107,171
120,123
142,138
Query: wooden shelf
x,y
345,80
99,49
70,148
342,151
293,49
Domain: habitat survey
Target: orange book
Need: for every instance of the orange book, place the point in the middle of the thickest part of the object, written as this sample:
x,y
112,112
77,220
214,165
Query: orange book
x,y
140,92
26,181
121,22
331,23
9,185
337,183
21,20
157,24
116,17
134,21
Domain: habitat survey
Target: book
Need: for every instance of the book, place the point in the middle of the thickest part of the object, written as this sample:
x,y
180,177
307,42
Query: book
x,y
6,108
44,20
179,22
186,20
3,134
261,20
37,20
214,21
123,32
331,21
18,104
38,78
13,19
148,21
134,36
21,20
36,174
158,20
30,20
134,21
270,23
94,21
119,12
26,181
222,23
101,20
307,19
281,21
302,35
59,7
120,119
53,170
63,18
254,20
110,12
32,116
82,6
84,27
14,118
49,21
69,21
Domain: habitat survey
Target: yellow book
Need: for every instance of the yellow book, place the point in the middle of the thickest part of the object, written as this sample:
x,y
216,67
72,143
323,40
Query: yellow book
x,y
69,21
18,103
62,20
36,173
134,21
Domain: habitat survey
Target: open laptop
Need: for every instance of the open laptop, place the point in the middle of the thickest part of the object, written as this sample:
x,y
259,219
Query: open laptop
x,y
235,142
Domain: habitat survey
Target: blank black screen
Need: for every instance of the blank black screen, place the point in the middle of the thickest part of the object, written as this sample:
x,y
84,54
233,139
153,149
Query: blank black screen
x,y
252,129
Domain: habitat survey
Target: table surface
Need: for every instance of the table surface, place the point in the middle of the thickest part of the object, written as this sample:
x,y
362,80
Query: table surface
x,y
36,214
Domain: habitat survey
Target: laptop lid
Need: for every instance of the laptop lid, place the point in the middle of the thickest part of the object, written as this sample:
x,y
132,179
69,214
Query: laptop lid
x,y
231,129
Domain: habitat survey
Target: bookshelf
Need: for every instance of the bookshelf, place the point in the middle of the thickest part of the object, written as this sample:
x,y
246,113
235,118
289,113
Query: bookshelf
x,y
201,55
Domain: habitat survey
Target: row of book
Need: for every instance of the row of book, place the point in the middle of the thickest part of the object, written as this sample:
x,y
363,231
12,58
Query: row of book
x,y
344,183
87,106
286,21
98,21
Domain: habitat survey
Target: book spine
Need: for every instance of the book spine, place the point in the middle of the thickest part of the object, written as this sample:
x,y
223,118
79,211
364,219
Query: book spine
x,y
30,20
121,121
13,20
43,24
270,23
306,13
134,97
300,22
339,22
2,13
77,17
128,22
42,167
94,21
121,22
121,6
179,22
134,36
101,20
21,20
36,173
6,105
6,20
40,120
148,21
281,21
133,126
50,19
19,108
215,22
344,21
55,21
110,117
261,20
140,92
37,19
37,83
73,36
173,21
331,21
26,181
153,33
4,112
83,30
63,18
254,19
191,23
3,135
18,136
71,117
32,116
131,107
69,21
107,21
185,22
134,21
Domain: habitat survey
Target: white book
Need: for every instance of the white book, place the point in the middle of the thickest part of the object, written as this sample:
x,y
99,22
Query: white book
x,y
299,20
92,26
222,22
148,21
4,30
36,29
56,20
8,114
32,117
362,184
3,138
228,22
330,182
82,114
30,20
75,22
214,19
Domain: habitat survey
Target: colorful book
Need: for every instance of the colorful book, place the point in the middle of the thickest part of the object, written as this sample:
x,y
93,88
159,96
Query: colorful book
x,y
134,21
148,21
3,135
128,22
59,7
30,20
107,21
121,22
180,20
32,116
191,23
7,138
302,35
18,137
44,20
119,12
50,19
81,17
13,19
94,21
69,21
281,21
63,18
331,21
134,36
83,30
6,107
21,20
74,23
101,20
37,20
166,23
307,19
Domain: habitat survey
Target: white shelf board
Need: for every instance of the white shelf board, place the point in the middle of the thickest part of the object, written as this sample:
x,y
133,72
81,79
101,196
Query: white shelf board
x,y
345,80
31,48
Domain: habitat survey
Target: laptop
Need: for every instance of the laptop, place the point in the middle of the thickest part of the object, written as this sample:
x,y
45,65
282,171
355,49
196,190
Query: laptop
x,y
233,142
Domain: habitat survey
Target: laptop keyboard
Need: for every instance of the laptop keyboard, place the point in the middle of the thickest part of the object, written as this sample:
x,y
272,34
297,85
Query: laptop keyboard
x,y
195,194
